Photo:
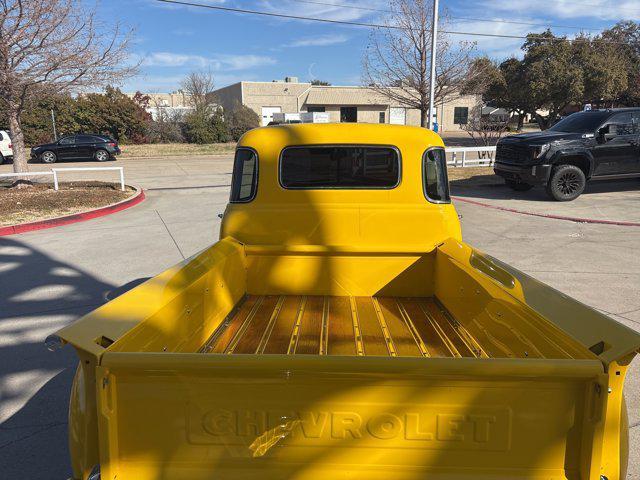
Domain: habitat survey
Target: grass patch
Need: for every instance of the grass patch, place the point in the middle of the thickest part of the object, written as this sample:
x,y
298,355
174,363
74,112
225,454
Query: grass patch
x,y
41,201
175,149
473,176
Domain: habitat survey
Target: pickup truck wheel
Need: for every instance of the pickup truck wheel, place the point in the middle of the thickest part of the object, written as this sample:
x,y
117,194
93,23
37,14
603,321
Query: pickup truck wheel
x,y
48,157
567,182
518,186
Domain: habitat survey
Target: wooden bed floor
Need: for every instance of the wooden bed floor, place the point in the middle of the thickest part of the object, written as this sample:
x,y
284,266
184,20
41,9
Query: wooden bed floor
x,y
316,325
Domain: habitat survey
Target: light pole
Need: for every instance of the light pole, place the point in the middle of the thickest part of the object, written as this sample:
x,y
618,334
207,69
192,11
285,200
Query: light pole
x,y
432,80
53,121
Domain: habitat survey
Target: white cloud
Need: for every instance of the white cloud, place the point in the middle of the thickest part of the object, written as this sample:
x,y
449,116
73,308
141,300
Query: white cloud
x,y
215,63
497,47
170,83
594,9
364,8
318,41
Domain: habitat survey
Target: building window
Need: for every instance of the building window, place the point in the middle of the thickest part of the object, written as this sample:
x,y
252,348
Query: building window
x,y
349,114
460,115
381,118
315,109
343,167
244,181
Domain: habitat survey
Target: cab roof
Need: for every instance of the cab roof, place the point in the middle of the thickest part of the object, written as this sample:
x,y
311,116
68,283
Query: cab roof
x,y
284,135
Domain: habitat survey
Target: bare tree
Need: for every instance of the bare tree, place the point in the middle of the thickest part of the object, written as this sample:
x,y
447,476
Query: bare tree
x,y
54,46
198,86
397,59
484,130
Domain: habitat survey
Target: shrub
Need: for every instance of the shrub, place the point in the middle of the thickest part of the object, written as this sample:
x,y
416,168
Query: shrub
x,y
240,120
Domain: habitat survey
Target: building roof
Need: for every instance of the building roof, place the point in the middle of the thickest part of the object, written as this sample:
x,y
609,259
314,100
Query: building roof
x,y
494,111
330,95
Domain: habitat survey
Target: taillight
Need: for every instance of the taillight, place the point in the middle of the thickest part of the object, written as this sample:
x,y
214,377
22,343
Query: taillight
x,y
11,145
112,144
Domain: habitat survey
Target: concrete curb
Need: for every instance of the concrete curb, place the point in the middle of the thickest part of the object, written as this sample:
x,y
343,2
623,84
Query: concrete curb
x,y
546,215
74,217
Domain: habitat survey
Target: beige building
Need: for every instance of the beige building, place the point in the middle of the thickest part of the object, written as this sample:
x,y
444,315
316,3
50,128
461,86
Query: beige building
x,y
174,103
341,103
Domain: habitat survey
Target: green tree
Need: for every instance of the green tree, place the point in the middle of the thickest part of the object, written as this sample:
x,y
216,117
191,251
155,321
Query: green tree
x,y
552,74
627,34
502,86
604,71
321,83
198,128
219,126
37,124
113,113
240,120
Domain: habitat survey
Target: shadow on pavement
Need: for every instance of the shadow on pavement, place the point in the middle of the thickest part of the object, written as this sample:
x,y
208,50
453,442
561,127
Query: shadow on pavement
x,y
38,295
491,187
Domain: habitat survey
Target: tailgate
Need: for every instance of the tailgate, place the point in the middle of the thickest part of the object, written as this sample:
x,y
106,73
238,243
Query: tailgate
x,y
191,416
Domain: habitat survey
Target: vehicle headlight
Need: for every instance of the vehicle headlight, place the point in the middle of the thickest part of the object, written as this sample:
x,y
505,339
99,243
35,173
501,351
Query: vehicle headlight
x,y
541,150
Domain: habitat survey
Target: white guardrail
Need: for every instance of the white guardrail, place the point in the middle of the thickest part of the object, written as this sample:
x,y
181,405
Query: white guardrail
x,y
485,156
56,171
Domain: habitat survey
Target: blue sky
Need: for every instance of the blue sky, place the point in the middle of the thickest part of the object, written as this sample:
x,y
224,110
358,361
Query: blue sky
x,y
172,40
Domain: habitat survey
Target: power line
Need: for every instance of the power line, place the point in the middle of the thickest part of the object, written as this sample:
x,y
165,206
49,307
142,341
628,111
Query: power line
x,y
373,25
466,19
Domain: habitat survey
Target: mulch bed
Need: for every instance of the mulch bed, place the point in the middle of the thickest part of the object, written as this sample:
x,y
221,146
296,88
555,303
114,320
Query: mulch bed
x,y
41,201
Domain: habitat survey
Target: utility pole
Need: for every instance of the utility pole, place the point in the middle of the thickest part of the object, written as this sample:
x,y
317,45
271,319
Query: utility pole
x,y
53,121
432,83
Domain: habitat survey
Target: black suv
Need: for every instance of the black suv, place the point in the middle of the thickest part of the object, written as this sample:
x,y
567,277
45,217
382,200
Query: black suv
x,y
590,145
75,147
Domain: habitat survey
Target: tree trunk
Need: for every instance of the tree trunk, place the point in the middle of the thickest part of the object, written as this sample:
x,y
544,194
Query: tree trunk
x,y
542,122
520,121
424,116
20,164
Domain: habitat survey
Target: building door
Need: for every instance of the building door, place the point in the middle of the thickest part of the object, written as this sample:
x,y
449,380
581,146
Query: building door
x,y
398,115
267,114
349,114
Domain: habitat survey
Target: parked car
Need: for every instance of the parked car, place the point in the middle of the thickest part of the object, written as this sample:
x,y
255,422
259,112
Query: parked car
x,y
76,147
585,146
6,148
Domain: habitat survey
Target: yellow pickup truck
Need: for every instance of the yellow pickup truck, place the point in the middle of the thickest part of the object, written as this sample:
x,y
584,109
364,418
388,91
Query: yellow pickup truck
x,y
341,329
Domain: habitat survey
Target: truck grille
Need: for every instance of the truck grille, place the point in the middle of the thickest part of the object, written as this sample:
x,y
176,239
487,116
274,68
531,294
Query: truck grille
x,y
509,153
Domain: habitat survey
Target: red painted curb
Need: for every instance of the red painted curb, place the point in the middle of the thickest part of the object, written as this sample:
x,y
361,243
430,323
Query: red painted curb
x,y
545,215
74,218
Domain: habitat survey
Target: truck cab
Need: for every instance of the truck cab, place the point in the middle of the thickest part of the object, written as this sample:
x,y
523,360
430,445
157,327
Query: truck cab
x,y
340,328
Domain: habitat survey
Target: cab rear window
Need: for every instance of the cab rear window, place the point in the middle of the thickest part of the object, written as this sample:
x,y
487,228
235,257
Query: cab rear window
x,y
244,181
340,167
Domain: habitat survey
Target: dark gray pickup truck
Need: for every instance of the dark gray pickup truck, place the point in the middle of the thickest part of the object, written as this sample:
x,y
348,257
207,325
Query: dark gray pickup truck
x,y
591,145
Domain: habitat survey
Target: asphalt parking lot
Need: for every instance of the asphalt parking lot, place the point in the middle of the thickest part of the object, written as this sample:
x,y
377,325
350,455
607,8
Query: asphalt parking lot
x,y
51,277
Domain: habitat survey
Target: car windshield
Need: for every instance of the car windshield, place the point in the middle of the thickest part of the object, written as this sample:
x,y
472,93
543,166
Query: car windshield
x,y
581,122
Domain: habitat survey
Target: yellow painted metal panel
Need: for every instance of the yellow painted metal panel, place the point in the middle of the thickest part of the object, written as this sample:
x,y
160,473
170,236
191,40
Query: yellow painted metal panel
x,y
351,417
476,287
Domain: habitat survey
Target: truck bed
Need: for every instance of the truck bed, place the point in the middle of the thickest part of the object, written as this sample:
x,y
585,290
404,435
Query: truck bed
x,y
347,325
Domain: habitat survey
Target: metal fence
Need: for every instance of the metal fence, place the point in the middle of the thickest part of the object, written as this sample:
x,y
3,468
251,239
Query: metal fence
x,y
470,156
55,173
